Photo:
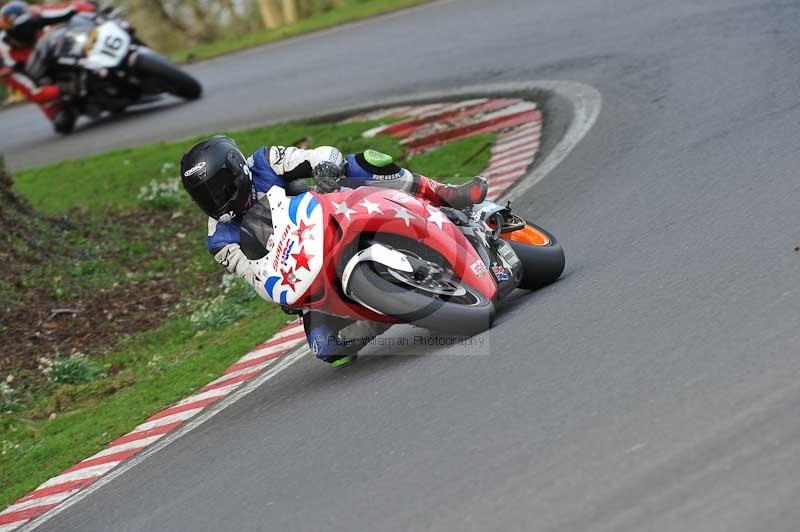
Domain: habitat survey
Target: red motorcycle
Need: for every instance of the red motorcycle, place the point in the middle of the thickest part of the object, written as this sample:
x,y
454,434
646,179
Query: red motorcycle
x,y
382,255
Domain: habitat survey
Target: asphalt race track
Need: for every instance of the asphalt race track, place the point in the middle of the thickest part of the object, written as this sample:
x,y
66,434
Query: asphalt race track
x,y
655,387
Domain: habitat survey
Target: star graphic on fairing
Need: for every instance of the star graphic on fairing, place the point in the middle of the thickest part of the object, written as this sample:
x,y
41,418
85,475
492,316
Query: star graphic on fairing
x,y
342,208
301,259
436,216
403,214
371,207
300,232
288,278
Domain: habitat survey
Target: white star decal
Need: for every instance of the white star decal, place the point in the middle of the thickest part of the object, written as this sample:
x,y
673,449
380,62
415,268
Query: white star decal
x,y
371,207
403,214
342,208
436,216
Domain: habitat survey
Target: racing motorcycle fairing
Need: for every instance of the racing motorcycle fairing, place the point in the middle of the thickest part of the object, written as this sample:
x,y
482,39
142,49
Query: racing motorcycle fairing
x,y
299,238
108,46
318,236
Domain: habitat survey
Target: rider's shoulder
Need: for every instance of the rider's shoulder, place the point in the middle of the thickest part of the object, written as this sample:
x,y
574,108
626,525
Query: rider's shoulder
x,y
259,158
265,173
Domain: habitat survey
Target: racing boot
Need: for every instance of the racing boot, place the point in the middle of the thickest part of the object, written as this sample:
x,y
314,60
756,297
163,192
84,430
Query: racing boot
x,y
343,360
453,196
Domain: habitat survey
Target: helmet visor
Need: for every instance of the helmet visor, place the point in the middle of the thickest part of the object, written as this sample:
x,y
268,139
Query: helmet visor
x,y
214,194
228,190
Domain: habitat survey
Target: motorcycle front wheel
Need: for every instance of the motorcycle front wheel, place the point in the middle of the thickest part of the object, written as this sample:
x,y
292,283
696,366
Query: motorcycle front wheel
x,y
64,122
164,74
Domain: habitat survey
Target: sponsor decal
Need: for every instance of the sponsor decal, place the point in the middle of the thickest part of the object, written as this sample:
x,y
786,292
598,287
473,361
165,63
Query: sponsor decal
x,y
285,255
500,273
194,169
507,252
281,248
478,268
227,217
390,177
270,242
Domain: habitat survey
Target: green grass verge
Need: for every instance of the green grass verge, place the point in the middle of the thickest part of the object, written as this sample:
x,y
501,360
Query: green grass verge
x,y
159,368
54,426
353,11
114,179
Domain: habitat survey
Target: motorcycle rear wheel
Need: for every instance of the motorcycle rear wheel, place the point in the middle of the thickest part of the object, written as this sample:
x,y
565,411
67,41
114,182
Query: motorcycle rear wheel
x,y
450,308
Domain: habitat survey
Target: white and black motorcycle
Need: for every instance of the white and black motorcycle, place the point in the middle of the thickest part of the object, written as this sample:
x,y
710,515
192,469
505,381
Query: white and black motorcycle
x,y
109,66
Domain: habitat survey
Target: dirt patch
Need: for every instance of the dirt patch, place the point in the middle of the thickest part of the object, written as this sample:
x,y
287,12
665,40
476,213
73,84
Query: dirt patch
x,y
68,314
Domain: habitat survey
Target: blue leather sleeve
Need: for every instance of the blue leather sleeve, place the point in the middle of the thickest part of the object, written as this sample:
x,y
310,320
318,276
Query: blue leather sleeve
x,y
224,234
264,177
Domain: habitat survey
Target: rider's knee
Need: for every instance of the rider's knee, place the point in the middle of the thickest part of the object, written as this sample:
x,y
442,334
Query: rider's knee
x,y
325,343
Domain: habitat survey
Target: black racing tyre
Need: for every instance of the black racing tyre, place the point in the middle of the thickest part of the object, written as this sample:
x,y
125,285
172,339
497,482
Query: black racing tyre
x,y
167,76
118,109
64,121
541,264
424,309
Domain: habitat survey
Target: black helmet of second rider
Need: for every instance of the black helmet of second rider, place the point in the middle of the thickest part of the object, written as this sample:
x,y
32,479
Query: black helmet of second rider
x,y
216,175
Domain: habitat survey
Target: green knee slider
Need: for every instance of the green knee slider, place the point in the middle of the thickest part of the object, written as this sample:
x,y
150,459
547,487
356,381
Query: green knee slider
x,y
376,158
377,163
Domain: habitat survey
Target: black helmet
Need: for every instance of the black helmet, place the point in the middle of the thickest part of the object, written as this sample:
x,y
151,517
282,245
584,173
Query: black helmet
x,y
216,176
11,12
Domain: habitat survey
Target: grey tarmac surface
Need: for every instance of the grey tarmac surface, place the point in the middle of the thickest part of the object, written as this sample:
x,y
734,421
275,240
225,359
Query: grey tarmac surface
x,y
655,387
